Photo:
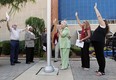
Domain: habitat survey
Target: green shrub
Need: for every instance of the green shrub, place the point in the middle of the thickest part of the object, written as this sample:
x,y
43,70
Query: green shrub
x,y
22,46
6,47
0,48
1,44
76,49
107,49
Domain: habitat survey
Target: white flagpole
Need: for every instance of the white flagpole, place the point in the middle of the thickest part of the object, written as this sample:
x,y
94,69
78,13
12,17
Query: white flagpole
x,y
49,68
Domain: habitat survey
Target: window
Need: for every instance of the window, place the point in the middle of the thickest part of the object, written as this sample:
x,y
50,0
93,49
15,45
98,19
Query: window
x,y
67,9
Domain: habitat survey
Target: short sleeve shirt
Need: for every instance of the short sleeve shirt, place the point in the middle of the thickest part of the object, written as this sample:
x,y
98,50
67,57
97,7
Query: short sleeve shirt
x,y
14,34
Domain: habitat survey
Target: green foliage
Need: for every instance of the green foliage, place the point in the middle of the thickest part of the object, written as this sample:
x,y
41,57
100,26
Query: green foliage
x,y
22,46
0,47
91,49
107,48
0,50
36,23
6,47
76,49
1,44
14,3
38,26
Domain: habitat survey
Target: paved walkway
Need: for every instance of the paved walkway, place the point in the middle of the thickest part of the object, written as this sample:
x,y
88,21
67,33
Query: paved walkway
x,y
80,74
30,74
75,72
8,72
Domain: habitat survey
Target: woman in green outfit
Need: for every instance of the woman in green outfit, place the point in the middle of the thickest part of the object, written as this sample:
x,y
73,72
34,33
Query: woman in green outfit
x,y
64,42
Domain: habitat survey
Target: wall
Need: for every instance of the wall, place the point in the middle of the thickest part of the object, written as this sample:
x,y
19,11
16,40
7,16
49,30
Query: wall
x,y
67,9
38,9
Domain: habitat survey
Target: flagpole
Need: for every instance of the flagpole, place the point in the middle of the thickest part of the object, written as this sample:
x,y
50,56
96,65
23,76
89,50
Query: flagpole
x,y
49,68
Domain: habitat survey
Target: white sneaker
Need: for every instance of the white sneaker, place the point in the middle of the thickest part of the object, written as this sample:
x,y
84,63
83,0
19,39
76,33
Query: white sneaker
x,y
63,68
86,69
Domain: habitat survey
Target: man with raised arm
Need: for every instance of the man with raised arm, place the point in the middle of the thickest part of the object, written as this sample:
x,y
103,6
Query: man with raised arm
x,y
14,42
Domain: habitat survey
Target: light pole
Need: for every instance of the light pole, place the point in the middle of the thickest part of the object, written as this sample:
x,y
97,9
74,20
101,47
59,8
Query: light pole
x,y
49,68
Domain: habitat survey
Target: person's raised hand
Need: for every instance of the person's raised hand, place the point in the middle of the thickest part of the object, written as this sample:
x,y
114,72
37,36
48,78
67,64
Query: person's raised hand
x,y
54,21
76,13
95,6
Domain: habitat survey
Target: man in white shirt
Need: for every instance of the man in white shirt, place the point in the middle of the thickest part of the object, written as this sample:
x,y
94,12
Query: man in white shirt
x,y
14,43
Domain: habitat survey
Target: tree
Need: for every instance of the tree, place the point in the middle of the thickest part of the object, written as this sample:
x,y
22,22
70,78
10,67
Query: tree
x,y
14,5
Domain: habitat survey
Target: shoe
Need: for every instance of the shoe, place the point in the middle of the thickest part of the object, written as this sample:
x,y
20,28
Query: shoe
x,y
63,68
99,73
17,62
27,62
31,61
86,69
12,64
55,60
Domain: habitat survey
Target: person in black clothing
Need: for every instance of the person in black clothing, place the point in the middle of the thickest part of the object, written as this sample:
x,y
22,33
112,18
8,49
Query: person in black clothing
x,y
44,38
98,41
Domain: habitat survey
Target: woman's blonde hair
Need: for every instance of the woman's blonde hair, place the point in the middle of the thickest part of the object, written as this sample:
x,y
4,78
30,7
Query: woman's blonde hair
x,y
86,24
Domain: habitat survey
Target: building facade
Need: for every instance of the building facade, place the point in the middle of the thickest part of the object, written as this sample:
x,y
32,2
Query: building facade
x,y
85,8
38,9
61,9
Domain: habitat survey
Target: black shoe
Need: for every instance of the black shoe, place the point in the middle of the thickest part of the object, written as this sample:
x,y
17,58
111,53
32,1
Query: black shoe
x,y
55,60
31,61
17,62
12,64
27,62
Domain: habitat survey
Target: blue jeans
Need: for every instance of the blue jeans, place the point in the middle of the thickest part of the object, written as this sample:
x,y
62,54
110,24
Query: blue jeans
x,y
14,50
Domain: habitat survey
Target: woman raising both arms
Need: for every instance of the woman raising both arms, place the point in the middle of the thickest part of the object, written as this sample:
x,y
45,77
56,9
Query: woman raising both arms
x,y
98,41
